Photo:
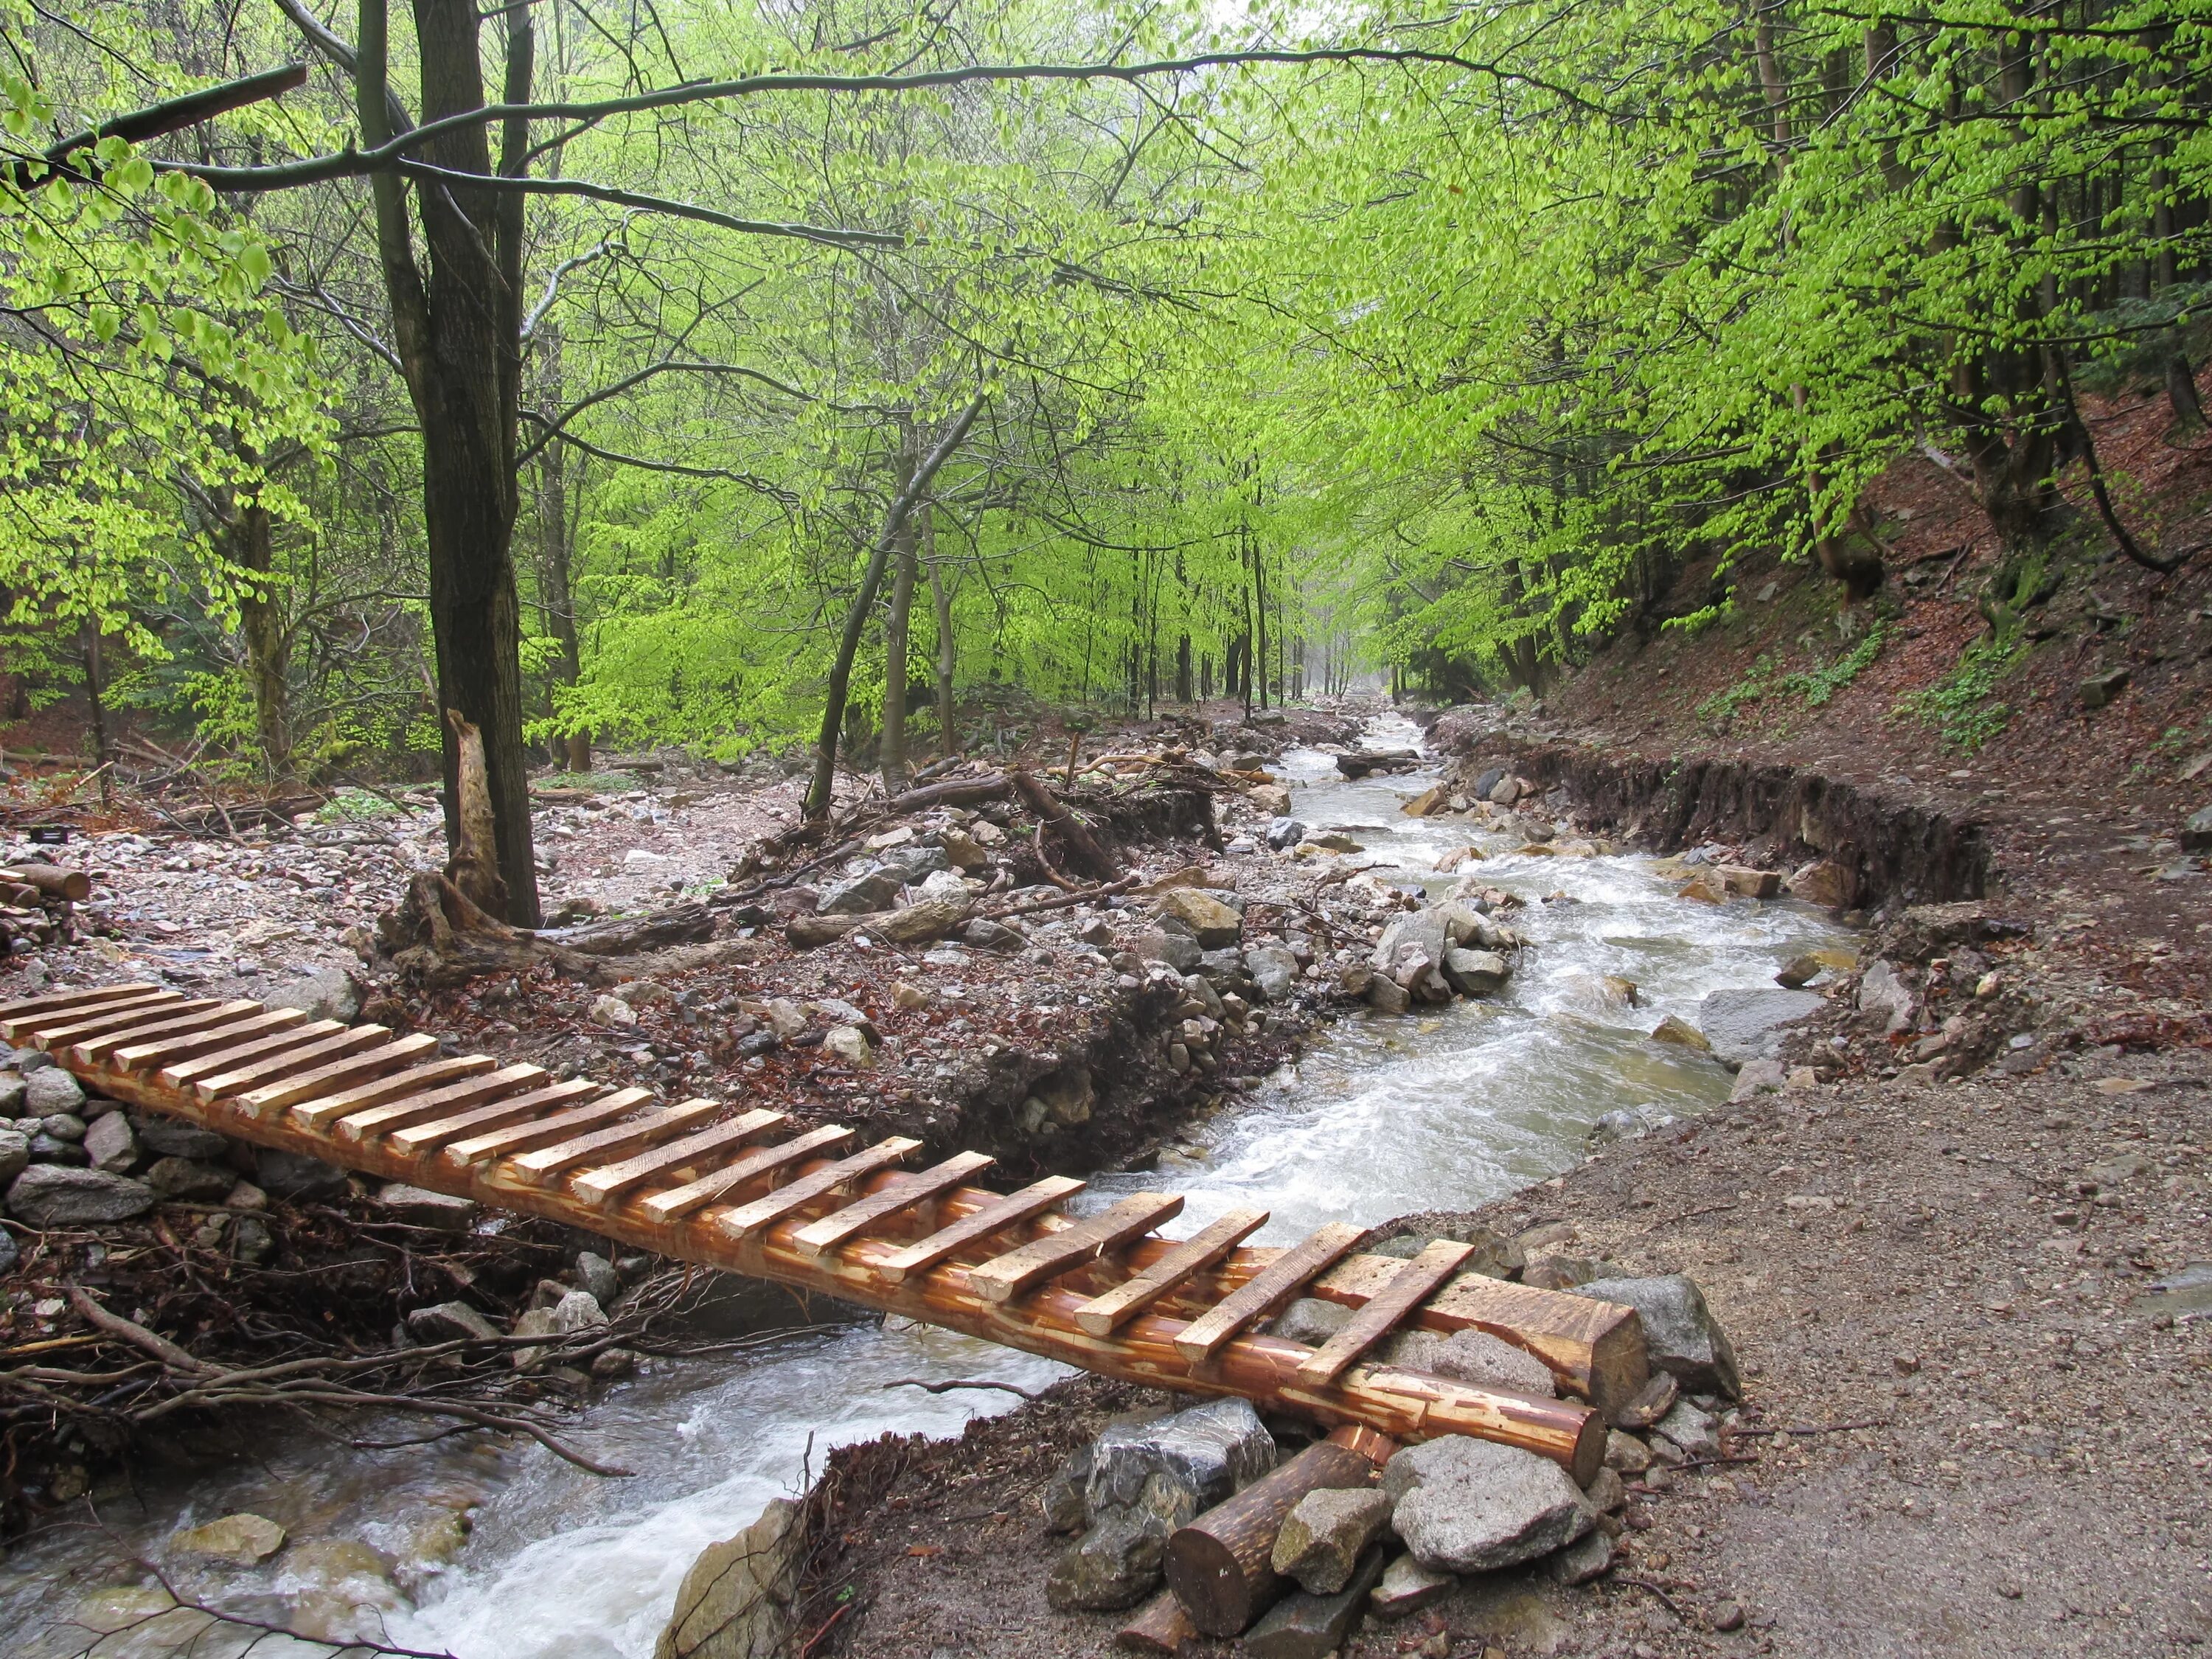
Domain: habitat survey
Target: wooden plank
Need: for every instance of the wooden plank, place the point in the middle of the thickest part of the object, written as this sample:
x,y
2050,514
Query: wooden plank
x,y
1011,1211
341,1073
410,1085
1103,1314
239,1079
857,1216
1265,1291
51,1002
603,1185
1409,1287
150,1056
540,1132
797,1194
1006,1277
64,1029
178,1020
680,1202
183,1073
620,1141
420,1138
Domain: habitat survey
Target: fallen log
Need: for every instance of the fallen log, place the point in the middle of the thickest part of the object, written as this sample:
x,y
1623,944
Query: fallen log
x,y
957,792
681,924
51,879
1218,1565
1100,864
1160,1627
917,924
438,937
1065,901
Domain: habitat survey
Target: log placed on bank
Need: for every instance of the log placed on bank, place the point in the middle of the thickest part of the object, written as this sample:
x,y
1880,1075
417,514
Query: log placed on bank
x,y
50,880
1218,1565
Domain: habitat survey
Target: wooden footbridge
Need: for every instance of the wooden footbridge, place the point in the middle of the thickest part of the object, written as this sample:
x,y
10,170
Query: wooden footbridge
x,y
751,1192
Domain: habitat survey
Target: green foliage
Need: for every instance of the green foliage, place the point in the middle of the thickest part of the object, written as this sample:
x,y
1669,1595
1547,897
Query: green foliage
x,y
1818,686
1722,706
1960,707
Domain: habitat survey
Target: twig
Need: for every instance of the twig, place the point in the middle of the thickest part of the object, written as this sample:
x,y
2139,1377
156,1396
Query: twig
x,y
1665,1600
962,1383
1801,1429
806,1648
1066,900
1045,861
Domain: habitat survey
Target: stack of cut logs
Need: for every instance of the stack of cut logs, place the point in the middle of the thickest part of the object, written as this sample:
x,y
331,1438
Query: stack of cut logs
x,y
36,902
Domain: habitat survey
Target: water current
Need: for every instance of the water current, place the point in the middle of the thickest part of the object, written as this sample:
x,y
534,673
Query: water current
x,y
1446,1108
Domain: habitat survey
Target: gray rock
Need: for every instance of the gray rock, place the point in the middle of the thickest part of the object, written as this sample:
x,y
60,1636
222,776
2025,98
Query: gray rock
x,y
1627,1122
914,865
52,1090
1606,1491
294,1175
188,1179
531,1322
1406,1587
1588,1557
28,1061
1626,1453
97,1107
1178,949
1386,996
1273,969
14,1153
1209,1452
110,1143
736,1601
1424,934
45,1149
1651,1402
1311,1320
578,1310
63,1125
1883,993
2196,835
12,1085
1322,1538
56,1195
1758,1077
327,993
984,934
597,1274
1747,1024
1695,1433
418,1207
1225,968
250,1239
1469,1505
10,1253
1285,832
1474,972
169,1136
1679,1331
1120,1559
1063,1499
861,896
1473,1356
2101,689
1303,1625
450,1321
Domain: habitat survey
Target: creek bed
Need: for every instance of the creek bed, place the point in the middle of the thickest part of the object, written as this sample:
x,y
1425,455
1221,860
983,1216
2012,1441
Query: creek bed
x,y
496,1553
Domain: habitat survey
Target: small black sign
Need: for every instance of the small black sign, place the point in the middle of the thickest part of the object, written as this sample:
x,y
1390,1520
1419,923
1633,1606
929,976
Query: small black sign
x,y
49,834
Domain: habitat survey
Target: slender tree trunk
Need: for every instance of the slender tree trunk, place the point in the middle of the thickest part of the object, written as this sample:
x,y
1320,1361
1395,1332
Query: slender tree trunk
x,y
893,756
96,696
556,553
268,667
948,660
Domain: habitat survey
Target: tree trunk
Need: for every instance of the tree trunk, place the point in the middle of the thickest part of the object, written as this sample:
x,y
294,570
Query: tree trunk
x,y
948,658
893,756
95,694
554,548
267,650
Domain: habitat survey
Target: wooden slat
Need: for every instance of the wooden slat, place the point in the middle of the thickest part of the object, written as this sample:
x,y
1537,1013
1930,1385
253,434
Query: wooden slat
x,y
151,1057
619,1142
679,1201
419,1138
797,1194
1410,1286
540,1132
1262,1294
179,1019
1103,1314
1006,1277
64,1030
48,1002
185,1071
412,1084
240,1080
996,1216
603,1185
857,1216
342,1073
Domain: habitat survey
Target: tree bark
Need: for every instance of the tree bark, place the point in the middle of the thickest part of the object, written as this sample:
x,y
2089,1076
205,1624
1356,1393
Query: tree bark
x,y
1102,865
268,667
95,694
893,757
553,581
948,660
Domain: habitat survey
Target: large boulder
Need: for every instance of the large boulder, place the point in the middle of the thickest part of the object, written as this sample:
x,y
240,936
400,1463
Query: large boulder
x,y
1273,969
1469,1505
1823,882
1679,1331
327,993
736,1601
1211,922
51,1090
60,1195
1747,1025
1474,972
861,896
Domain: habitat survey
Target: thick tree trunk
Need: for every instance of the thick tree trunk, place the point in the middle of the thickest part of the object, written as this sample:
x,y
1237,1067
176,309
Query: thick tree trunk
x,y
268,667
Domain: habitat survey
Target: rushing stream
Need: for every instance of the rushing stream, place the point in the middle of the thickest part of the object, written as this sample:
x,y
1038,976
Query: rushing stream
x,y
1445,1108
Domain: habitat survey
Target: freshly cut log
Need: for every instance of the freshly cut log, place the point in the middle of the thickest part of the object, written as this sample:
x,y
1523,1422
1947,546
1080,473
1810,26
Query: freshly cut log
x,y
907,1191
1003,1278
1261,1294
797,1194
417,1138
1219,1567
341,1073
680,1202
1102,1315
73,1028
619,1142
152,1056
1161,1626
994,1217
416,1082
602,1185
54,1002
51,880
1410,1286
239,1079
186,1072
177,1019
545,1130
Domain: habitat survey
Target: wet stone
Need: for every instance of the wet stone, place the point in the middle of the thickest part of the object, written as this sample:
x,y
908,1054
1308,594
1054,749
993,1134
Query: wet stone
x,y
1326,1533
56,1195
243,1539
1406,1587
188,1179
1469,1505
1303,1625
52,1090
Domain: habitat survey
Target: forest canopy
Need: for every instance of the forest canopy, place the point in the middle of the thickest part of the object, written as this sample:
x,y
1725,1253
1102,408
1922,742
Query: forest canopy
x,y
755,377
